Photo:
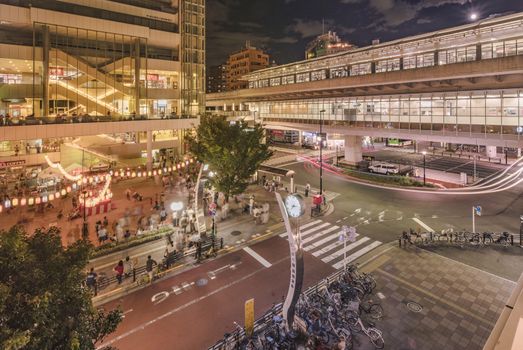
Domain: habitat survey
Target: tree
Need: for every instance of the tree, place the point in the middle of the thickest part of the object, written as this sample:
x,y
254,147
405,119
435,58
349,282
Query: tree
x,y
233,150
43,302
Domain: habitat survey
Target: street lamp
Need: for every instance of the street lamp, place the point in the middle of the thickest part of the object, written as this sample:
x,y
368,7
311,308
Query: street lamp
x,y
424,167
321,151
85,227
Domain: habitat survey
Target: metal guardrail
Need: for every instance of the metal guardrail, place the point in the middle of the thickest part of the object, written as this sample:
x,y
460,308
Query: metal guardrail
x,y
261,323
103,283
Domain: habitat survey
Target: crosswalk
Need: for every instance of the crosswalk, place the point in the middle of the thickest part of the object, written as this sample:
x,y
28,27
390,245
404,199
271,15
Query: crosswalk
x,y
322,240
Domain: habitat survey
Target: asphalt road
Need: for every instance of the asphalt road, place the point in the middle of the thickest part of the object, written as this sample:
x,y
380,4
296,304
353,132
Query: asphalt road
x,y
382,214
193,310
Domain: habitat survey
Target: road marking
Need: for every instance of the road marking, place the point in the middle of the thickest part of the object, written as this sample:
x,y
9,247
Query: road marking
x,y
179,308
186,286
422,224
435,297
338,221
359,253
309,231
319,234
302,227
330,237
344,250
257,256
329,247
357,211
177,290
126,312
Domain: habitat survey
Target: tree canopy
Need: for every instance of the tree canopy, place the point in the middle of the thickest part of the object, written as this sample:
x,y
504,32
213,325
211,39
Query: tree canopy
x,y
43,303
233,150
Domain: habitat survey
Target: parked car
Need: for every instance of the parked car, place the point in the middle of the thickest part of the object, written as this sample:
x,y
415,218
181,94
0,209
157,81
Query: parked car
x,y
384,168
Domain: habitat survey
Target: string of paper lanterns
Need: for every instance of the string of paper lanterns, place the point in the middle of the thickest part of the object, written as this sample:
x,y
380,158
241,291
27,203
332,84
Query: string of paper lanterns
x,y
78,180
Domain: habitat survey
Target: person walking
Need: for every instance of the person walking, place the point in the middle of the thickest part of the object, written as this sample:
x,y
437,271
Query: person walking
x,y
129,266
251,204
119,269
149,265
307,190
90,280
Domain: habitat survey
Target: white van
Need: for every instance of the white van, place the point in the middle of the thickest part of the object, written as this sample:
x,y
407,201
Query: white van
x,y
384,168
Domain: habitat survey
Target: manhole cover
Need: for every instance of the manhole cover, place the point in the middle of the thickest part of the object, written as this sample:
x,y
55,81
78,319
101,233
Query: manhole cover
x,y
236,233
414,307
201,282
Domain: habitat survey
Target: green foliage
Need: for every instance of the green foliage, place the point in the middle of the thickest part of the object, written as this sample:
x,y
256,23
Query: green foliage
x,y
234,151
43,303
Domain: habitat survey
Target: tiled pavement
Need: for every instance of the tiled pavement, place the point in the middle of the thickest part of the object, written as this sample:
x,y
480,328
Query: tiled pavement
x,y
460,304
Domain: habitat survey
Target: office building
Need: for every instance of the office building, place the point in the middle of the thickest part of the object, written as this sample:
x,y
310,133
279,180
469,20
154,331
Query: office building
x,y
79,68
247,60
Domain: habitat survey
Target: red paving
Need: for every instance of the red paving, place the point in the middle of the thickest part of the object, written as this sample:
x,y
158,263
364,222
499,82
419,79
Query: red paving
x,y
197,318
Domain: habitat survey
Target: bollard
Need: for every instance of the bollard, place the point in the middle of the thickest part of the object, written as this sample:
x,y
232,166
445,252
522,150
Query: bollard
x,y
511,239
221,242
134,274
431,239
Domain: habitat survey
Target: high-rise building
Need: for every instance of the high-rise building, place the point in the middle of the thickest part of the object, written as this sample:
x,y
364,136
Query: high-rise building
x,y
216,79
86,61
247,60
326,44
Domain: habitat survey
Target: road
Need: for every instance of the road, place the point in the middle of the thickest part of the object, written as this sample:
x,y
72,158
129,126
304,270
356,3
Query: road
x,y
194,309
209,306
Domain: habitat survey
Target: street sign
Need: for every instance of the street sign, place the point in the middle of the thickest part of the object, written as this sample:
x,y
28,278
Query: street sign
x,y
477,209
249,317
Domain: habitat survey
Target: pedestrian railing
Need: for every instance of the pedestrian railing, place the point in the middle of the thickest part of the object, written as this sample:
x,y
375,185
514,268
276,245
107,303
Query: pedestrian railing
x,y
238,335
198,253
459,238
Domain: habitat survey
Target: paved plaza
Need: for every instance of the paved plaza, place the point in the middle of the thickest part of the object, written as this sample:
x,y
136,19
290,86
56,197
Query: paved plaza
x,y
459,304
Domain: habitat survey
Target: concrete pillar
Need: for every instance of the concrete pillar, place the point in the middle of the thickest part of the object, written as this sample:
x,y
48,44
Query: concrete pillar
x,y
45,73
519,152
137,62
149,150
353,153
300,138
492,151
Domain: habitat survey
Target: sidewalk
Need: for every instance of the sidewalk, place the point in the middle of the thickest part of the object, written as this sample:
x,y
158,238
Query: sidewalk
x,y
238,230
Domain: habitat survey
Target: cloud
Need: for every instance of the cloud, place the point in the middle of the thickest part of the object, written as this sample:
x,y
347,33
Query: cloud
x,y
397,12
311,28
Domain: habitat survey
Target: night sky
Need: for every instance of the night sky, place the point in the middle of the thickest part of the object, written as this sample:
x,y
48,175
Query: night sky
x,y
283,27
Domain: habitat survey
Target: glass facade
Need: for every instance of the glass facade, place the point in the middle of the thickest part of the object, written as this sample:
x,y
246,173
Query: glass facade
x,y
438,50
88,72
489,112
193,56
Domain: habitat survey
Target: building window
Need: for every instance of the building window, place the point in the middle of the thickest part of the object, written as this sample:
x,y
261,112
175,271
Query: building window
x,y
318,75
409,62
275,81
360,69
287,80
264,83
388,65
425,60
339,72
303,77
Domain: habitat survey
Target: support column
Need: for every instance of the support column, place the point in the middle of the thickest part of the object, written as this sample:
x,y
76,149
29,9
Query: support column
x,y
519,152
300,137
137,62
353,154
149,150
492,151
45,73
